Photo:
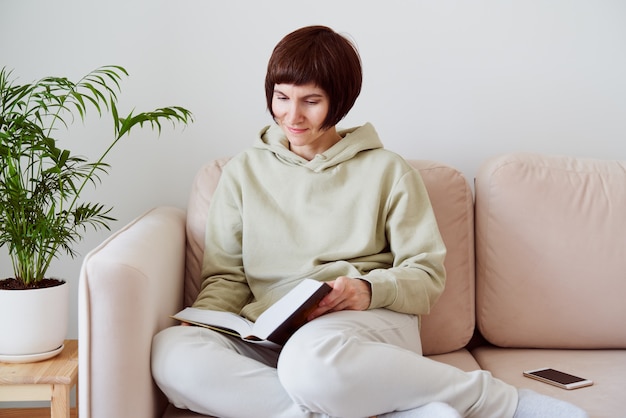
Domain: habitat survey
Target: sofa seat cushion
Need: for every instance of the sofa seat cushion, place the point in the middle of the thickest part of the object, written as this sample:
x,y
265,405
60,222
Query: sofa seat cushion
x,y
606,368
551,252
461,359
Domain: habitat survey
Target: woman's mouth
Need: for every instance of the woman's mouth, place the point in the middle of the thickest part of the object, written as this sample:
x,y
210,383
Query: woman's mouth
x,y
296,130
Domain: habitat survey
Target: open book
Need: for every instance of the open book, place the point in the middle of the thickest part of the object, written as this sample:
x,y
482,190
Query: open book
x,y
276,324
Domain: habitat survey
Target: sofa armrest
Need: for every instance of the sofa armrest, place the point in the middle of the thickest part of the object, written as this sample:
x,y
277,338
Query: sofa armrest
x,y
128,287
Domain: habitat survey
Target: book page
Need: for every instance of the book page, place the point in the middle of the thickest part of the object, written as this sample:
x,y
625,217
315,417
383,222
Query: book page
x,y
216,319
274,326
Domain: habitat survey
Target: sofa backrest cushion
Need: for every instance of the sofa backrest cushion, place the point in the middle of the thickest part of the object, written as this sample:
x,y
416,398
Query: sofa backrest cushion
x,y
202,190
451,322
551,252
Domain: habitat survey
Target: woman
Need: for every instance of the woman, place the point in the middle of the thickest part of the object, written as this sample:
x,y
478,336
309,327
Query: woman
x,y
309,201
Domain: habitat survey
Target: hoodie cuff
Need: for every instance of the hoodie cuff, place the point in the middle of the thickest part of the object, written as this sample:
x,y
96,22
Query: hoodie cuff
x,y
383,291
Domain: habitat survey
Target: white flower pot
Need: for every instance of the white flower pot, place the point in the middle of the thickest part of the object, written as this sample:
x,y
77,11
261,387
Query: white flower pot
x,y
33,322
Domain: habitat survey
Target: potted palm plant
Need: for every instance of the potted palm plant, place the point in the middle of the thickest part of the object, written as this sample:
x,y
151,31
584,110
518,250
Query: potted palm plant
x,y
42,215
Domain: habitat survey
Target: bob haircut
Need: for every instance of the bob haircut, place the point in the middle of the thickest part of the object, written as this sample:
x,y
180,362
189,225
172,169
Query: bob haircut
x,y
319,55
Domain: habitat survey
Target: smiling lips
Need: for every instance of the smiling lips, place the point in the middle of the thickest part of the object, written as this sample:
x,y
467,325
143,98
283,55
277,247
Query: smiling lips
x,y
296,130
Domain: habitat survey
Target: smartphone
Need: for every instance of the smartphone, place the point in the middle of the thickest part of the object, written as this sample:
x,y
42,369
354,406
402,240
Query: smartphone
x,y
558,378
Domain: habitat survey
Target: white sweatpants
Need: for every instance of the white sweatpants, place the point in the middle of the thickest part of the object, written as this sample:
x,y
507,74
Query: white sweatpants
x,y
349,364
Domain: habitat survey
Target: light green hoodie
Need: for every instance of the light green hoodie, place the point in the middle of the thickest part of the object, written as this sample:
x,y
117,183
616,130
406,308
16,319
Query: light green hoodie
x,y
356,210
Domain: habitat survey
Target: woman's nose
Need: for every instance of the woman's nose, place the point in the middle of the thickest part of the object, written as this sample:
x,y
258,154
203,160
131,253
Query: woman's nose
x,y
294,115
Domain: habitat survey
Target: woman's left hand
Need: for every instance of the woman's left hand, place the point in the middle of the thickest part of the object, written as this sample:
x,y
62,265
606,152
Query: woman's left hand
x,y
347,294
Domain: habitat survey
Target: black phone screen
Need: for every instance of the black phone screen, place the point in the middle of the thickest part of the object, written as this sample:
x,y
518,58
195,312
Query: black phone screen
x,y
558,376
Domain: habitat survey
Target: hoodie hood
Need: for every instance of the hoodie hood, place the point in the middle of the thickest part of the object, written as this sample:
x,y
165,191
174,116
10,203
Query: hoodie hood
x,y
353,141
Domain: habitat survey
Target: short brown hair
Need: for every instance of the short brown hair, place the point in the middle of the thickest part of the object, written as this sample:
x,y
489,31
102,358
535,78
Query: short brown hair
x,y
319,55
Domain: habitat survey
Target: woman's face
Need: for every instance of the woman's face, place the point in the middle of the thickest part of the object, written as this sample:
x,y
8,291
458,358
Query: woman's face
x,y
300,110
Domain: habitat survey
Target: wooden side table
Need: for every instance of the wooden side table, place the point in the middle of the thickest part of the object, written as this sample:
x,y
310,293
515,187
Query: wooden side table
x,y
48,380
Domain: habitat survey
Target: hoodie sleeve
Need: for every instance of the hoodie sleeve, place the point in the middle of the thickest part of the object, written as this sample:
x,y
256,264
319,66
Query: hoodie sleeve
x,y
417,278
224,286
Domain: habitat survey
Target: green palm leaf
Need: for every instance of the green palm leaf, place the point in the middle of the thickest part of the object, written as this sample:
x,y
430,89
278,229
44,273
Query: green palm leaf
x,y
41,214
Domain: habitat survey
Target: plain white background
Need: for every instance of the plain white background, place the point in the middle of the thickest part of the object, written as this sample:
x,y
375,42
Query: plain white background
x,y
453,81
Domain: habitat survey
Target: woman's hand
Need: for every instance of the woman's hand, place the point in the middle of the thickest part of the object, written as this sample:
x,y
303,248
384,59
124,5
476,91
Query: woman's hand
x,y
347,294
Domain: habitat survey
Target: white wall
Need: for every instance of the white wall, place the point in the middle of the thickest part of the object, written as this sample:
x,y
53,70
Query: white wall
x,y
455,81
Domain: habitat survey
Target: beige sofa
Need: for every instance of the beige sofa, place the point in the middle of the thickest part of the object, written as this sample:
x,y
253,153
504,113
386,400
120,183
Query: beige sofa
x,y
536,277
